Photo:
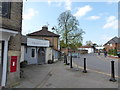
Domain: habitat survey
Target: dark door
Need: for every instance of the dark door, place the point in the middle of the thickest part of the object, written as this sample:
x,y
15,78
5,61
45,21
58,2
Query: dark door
x,y
1,59
41,56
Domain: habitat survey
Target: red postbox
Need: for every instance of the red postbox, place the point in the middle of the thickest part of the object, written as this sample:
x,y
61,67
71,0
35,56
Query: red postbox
x,y
13,65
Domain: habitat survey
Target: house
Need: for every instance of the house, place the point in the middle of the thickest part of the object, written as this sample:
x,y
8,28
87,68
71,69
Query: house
x,y
113,46
10,43
113,43
34,51
99,48
88,48
53,38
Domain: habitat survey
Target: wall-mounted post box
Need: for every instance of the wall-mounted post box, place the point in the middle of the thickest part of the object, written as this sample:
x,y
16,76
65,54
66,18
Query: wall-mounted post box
x,y
13,64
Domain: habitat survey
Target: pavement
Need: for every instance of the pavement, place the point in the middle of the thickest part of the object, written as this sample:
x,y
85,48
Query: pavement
x,y
59,75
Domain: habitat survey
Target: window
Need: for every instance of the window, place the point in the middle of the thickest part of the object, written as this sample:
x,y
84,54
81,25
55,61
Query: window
x,y
5,9
110,44
33,53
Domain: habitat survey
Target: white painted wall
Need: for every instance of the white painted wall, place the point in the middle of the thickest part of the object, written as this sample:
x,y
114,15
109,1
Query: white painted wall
x,y
22,53
99,48
37,42
48,54
0,51
90,50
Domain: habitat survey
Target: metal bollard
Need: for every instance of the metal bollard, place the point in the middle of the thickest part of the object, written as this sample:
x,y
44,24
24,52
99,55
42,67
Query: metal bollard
x,y
71,62
112,72
84,71
64,59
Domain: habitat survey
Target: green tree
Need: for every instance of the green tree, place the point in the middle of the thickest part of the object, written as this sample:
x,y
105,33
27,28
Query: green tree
x,y
68,29
89,43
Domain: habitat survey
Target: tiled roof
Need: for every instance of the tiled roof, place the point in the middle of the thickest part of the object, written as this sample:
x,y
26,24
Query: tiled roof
x,y
113,40
43,32
85,47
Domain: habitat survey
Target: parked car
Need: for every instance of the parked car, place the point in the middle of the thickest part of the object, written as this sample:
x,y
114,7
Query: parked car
x,y
75,55
118,53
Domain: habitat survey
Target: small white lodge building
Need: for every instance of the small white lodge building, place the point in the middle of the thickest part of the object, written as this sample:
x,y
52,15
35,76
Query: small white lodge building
x,y
35,51
88,48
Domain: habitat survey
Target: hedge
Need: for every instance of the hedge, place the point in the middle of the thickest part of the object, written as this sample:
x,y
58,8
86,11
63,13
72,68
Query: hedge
x,y
112,52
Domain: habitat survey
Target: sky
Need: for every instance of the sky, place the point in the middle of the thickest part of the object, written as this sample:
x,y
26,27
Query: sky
x,y
99,20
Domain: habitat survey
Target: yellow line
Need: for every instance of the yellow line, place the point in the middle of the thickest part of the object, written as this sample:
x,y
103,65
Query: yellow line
x,y
94,70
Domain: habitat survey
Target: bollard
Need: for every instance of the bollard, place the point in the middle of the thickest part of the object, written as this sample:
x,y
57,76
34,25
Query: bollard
x,y
84,71
64,58
71,62
112,72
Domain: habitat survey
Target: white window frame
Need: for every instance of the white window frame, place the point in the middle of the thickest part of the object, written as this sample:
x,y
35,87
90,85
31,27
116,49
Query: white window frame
x,y
111,45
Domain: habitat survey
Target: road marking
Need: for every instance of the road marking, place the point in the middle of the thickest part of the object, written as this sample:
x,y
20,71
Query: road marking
x,y
95,70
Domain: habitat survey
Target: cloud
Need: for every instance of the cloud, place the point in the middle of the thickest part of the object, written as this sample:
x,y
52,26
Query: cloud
x,y
112,1
82,11
58,3
30,13
111,22
49,2
93,17
68,4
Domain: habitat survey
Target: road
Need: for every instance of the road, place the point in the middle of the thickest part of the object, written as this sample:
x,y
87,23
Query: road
x,y
97,63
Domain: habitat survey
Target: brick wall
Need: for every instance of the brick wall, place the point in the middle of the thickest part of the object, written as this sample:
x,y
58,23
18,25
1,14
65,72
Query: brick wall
x,y
14,23
15,20
111,46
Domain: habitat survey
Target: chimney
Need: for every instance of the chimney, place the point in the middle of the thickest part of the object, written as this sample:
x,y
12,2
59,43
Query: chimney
x,y
45,28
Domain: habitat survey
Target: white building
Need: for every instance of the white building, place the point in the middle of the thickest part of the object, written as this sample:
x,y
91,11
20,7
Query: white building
x,y
88,48
35,51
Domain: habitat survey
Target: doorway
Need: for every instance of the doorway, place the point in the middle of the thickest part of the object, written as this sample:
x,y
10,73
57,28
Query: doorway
x,y
41,56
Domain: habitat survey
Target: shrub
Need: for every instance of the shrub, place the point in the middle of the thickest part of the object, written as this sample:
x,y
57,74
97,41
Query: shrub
x,y
112,52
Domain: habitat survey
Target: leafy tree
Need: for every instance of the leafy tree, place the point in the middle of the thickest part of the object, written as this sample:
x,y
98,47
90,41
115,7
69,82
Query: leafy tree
x,y
89,43
68,29
62,44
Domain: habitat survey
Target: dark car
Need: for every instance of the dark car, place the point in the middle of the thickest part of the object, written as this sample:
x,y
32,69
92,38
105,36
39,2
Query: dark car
x,y
118,53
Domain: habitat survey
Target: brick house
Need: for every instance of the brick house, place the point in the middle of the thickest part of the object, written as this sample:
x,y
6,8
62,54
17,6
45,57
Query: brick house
x,y
45,34
10,41
113,43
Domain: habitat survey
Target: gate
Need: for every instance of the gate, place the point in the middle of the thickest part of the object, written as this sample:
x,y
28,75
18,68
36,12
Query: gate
x,y
41,56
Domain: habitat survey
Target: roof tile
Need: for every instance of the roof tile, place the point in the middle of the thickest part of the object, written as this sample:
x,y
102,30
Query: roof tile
x,y
43,32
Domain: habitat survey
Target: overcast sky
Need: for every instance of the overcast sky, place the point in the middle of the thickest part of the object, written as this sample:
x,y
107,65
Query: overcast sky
x,y
99,20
